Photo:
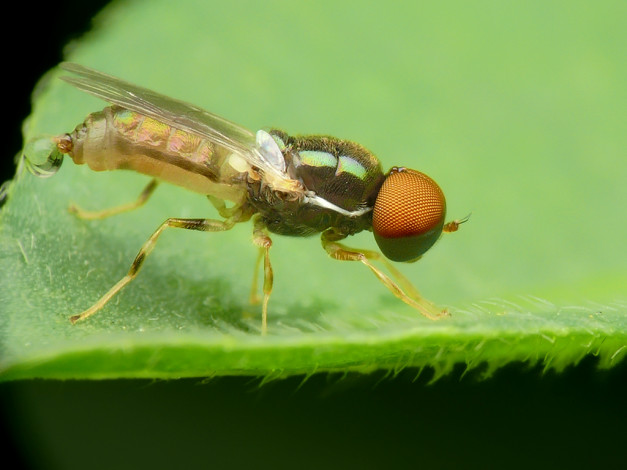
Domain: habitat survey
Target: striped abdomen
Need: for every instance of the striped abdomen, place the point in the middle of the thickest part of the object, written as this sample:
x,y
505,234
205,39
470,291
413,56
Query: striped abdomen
x,y
116,138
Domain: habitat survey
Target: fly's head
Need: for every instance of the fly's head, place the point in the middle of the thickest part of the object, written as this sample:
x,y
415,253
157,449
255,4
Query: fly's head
x,y
408,215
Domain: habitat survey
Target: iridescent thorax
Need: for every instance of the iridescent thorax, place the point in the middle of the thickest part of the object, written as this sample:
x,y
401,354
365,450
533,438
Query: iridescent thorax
x,y
341,172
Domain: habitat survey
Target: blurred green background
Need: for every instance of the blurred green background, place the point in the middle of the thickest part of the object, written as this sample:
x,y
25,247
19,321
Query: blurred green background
x,y
517,109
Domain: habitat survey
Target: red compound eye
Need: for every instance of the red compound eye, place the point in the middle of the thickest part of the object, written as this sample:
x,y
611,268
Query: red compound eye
x,y
408,214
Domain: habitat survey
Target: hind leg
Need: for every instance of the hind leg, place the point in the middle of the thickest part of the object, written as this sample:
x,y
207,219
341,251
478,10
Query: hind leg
x,y
204,225
140,201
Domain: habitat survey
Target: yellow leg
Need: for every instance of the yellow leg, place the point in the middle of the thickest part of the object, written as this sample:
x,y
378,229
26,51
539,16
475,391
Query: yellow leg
x,y
263,241
254,298
205,225
402,288
220,206
141,200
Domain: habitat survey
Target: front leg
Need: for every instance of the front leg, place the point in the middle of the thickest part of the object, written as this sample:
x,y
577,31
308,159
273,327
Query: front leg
x,y
406,291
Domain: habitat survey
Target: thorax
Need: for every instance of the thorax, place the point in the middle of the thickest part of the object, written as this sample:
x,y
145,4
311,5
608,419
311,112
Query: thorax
x,y
341,172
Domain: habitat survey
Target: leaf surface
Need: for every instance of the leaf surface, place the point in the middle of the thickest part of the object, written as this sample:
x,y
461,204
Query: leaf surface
x,y
526,132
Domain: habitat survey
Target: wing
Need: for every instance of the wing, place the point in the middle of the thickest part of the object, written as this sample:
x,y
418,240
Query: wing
x,y
180,115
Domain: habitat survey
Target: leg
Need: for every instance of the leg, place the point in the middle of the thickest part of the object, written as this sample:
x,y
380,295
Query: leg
x,y
263,241
406,291
220,206
141,200
205,225
254,298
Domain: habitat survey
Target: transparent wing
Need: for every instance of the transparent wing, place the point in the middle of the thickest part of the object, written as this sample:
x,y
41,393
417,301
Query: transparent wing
x,y
173,112
259,150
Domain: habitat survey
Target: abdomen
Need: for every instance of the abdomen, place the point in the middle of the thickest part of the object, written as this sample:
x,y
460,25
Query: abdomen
x,y
117,138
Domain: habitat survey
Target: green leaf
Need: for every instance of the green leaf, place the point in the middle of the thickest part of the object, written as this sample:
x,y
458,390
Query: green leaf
x,y
519,121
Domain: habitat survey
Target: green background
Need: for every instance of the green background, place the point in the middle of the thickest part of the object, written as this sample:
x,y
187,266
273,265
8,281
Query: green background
x,y
516,110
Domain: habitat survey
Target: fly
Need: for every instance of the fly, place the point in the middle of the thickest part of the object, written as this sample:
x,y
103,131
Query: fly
x,y
287,185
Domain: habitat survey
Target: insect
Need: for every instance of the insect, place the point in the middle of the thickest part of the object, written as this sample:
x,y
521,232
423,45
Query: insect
x,y
287,185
